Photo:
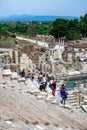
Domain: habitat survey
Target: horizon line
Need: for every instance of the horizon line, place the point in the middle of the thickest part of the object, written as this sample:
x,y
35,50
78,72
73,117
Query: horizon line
x,y
40,15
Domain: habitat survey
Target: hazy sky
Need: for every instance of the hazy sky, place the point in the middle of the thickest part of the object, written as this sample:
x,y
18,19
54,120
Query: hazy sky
x,y
43,7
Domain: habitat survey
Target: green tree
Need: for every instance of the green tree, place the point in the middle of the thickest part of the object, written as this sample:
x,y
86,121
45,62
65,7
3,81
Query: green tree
x,y
74,25
73,35
43,28
73,32
83,25
60,28
21,28
4,31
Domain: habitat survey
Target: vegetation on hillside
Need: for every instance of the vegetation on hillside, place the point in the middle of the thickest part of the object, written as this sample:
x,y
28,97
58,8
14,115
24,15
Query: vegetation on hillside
x,y
25,28
70,29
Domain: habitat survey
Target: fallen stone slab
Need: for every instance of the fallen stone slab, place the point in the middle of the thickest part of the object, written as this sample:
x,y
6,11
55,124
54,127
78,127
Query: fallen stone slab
x,y
40,127
6,72
21,79
15,75
9,122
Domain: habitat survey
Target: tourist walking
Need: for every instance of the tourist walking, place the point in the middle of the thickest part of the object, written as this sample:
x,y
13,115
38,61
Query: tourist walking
x,y
42,83
53,88
63,94
23,73
32,75
51,82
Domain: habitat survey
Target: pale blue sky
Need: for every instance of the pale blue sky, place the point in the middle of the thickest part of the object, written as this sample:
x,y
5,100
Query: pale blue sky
x,y
43,7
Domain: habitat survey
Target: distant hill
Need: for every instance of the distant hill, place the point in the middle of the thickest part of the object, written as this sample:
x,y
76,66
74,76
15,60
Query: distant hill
x,y
34,18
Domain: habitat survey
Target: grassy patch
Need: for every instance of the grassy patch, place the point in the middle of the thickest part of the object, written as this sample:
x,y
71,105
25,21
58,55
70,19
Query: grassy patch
x,y
7,42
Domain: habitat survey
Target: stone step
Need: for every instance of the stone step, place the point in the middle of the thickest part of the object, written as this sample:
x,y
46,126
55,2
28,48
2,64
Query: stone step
x,y
54,102
72,101
82,102
71,95
78,107
72,98
75,104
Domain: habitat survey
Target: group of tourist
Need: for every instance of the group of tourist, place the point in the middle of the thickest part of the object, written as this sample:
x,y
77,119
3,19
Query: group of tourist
x,y
28,75
45,80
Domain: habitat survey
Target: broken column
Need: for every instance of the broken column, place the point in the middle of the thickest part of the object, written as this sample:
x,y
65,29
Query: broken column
x,y
16,57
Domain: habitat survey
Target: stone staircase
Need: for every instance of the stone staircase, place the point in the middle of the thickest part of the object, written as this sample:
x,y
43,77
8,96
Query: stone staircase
x,y
32,88
73,100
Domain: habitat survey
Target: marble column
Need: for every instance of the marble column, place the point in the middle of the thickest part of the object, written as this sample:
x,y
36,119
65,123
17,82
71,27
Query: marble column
x,y
16,57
